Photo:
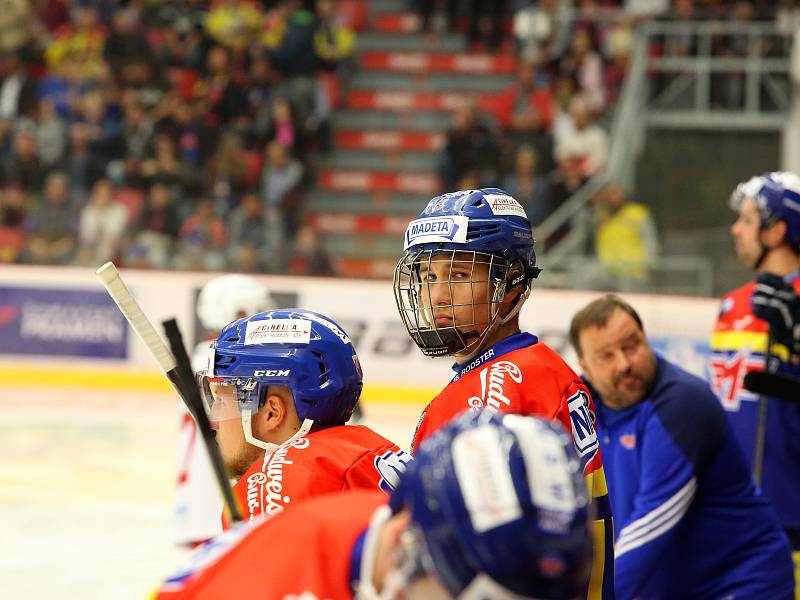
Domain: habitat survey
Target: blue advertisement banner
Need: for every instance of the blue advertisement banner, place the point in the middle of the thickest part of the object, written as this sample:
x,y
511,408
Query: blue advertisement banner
x,y
52,322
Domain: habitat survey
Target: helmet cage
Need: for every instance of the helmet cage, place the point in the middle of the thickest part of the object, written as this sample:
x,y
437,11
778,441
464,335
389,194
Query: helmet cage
x,y
415,302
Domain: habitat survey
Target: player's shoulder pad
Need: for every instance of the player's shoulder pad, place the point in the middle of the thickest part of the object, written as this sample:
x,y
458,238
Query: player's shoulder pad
x,y
737,302
542,357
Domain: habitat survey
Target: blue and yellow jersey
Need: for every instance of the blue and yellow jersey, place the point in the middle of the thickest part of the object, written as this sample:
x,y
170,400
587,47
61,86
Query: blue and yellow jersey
x,y
739,345
524,376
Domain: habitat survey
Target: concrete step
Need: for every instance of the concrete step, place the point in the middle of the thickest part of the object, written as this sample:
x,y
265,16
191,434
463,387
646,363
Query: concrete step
x,y
384,139
365,245
358,223
397,22
362,180
377,7
379,161
401,101
370,40
441,82
366,203
438,62
385,120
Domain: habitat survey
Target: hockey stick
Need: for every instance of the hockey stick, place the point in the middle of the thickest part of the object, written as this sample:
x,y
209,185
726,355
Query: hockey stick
x,y
773,385
119,292
186,375
761,424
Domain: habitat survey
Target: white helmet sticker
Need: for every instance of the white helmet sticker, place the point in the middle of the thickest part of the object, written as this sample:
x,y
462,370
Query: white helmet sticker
x,y
481,466
452,229
502,204
330,325
278,331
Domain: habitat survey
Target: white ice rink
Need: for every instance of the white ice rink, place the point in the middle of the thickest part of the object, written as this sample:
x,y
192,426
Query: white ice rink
x,y
87,485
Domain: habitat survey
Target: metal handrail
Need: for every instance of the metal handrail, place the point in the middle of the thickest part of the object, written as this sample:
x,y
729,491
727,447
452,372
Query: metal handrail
x,y
631,115
624,142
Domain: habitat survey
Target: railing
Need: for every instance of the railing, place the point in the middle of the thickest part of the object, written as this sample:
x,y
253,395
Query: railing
x,y
688,275
766,98
760,73
627,138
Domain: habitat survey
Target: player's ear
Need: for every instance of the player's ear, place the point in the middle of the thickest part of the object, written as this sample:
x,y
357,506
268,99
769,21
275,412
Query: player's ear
x,y
274,411
774,234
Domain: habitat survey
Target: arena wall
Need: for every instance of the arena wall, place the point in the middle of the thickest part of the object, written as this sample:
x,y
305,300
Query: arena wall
x,y
58,327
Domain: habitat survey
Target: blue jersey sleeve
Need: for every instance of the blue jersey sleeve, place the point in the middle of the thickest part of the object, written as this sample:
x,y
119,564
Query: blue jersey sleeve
x,y
682,433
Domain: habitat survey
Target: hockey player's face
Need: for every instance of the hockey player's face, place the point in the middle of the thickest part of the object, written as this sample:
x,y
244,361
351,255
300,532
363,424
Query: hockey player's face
x,y
618,360
746,233
236,452
456,291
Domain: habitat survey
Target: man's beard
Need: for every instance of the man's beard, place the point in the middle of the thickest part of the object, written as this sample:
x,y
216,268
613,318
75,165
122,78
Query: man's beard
x,y
239,463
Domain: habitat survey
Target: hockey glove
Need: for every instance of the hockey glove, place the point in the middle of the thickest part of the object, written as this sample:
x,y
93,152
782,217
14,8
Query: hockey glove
x,y
777,303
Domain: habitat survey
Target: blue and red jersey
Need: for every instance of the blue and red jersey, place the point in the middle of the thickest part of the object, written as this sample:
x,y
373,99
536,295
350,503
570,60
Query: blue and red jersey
x,y
346,457
307,552
739,345
522,375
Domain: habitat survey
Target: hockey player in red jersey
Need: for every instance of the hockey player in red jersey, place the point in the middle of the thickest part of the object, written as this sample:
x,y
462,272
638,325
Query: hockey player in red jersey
x,y
493,507
281,385
468,267
758,319
197,500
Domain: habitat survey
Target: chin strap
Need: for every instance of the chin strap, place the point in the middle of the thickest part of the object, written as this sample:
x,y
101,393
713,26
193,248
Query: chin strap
x,y
268,447
500,293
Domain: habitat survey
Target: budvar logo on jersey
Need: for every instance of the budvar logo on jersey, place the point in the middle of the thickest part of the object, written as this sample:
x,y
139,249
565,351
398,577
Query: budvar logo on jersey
x,y
492,380
278,331
437,229
501,204
265,488
582,423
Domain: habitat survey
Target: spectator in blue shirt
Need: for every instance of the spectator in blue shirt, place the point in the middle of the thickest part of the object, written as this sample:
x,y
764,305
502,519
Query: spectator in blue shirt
x,y
689,523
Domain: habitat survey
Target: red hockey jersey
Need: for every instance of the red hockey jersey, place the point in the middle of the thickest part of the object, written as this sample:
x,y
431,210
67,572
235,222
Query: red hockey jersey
x,y
265,562
330,460
522,375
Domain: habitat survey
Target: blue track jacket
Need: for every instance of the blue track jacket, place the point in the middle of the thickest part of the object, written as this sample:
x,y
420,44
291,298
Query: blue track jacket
x,y
689,522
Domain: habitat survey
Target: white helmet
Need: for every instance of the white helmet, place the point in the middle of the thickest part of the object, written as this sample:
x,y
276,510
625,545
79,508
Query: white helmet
x,y
226,298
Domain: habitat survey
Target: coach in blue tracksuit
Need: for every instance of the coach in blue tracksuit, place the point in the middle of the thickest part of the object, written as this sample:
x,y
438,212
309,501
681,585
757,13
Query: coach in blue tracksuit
x,y
689,523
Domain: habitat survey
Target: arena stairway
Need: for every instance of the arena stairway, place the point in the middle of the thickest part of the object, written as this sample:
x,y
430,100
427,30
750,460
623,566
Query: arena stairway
x,y
388,133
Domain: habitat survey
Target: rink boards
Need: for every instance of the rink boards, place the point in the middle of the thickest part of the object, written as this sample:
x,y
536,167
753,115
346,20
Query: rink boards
x,y
57,325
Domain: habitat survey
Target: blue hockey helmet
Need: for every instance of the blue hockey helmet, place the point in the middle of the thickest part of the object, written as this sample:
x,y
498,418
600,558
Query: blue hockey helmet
x,y
499,501
777,198
296,348
473,226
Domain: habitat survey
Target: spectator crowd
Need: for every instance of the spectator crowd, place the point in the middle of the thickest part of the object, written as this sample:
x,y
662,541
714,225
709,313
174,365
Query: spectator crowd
x,y
546,135
163,134
184,133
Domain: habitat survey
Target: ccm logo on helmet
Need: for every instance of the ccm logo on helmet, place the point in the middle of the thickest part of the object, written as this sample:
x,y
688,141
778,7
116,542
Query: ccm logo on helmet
x,y
272,373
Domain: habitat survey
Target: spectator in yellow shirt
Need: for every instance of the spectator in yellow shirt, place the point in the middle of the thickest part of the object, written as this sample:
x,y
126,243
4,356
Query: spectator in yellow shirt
x,y
234,23
626,241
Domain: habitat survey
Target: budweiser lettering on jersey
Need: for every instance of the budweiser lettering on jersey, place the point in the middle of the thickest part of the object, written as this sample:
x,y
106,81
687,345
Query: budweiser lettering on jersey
x,y
265,488
493,379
